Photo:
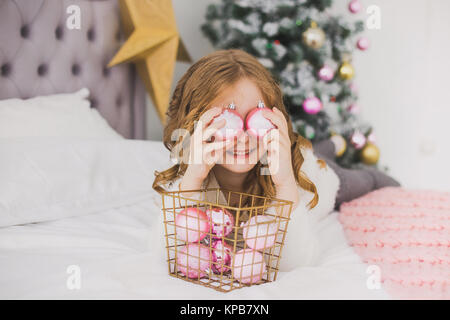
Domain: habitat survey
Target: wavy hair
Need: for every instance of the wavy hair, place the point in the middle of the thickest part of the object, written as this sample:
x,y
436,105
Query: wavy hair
x,y
197,89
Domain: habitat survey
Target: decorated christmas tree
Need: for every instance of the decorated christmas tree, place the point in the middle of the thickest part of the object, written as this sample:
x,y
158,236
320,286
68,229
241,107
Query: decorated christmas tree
x,y
309,51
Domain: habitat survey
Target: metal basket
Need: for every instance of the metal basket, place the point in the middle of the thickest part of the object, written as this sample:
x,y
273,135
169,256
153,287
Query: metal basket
x,y
224,253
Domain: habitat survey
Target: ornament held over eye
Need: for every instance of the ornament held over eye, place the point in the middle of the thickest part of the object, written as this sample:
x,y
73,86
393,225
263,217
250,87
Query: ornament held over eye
x,y
255,122
234,124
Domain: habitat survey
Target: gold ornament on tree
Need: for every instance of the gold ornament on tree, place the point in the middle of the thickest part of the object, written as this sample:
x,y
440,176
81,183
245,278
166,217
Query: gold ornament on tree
x,y
340,145
346,71
314,37
370,154
153,44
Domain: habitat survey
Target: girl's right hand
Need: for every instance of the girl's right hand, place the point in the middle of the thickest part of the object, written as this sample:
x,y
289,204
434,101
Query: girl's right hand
x,y
203,154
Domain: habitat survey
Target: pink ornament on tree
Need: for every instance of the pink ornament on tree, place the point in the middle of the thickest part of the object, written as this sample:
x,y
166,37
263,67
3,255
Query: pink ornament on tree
x,y
354,6
358,140
326,73
312,105
353,108
363,44
372,138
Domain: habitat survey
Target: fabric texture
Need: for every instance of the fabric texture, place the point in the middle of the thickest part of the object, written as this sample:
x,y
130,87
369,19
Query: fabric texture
x,y
405,234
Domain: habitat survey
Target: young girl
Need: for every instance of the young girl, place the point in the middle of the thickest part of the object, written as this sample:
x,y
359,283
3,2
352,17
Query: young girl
x,y
295,174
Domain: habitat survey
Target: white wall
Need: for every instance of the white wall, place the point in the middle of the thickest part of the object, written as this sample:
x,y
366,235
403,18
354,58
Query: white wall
x,y
403,82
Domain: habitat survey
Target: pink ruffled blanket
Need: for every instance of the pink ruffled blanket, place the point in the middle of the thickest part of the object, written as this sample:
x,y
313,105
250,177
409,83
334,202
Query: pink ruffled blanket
x,y
406,233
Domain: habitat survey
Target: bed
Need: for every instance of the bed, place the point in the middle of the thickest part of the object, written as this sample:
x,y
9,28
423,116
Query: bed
x,y
78,216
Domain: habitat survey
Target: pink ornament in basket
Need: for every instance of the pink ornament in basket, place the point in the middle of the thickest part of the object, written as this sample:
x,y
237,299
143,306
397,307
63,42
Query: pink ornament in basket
x,y
194,260
221,221
248,266
221,255
259,232
191,224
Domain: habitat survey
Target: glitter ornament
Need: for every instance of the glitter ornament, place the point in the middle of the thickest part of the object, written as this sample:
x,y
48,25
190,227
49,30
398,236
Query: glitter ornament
x,y
259,232
221,221
191,225
221,255
363,44
358,140
234,123
354,6
256,124
312,105
194,260
248,266
326,73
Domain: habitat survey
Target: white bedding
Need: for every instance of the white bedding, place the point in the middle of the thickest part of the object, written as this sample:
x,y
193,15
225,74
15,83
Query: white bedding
x,y
118,257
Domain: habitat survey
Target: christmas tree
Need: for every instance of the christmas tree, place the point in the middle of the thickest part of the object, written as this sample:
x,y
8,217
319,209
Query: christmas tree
x,y
309,52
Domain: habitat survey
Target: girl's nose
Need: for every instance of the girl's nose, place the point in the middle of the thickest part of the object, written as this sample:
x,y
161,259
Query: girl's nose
x,y
243,137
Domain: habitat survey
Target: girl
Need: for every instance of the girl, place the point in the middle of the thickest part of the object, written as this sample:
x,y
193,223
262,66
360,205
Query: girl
x,y
234,76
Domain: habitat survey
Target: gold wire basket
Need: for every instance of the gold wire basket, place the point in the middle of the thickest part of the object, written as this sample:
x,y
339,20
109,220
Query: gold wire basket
x,y
224,247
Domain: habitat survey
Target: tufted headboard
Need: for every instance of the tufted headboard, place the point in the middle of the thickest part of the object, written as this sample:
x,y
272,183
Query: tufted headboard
x,y
40,55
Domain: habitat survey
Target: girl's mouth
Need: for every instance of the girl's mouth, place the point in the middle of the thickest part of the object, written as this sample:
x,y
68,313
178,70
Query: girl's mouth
x,y
240,153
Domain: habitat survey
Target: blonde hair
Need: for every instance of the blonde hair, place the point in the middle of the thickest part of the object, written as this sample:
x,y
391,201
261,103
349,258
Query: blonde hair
x,y
194,91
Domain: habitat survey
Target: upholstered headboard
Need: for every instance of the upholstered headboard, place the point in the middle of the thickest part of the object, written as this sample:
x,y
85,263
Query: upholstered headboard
x,y
40,54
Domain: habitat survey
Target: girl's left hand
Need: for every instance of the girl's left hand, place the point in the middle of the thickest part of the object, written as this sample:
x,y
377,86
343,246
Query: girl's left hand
x,y
278,146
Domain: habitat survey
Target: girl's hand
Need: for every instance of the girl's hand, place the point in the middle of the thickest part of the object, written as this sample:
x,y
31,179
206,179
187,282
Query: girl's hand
x,y
203,155
278,146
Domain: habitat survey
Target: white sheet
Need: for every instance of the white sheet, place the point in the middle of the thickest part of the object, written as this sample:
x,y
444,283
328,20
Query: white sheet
x,y
118,260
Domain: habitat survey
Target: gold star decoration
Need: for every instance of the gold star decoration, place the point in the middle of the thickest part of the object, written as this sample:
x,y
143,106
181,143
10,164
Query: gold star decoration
x,y
153,44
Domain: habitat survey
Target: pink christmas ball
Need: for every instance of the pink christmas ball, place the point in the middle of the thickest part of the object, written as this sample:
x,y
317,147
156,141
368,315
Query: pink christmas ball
x,y
257,125
221,255
248,266
326,73
191,224
194,260
363,44
358,140
372,138
221,221
259,232
233,126
354,6
312,105
353,108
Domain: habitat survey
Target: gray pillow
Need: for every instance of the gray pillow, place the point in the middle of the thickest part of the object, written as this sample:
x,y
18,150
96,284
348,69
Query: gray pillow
x,y
354,183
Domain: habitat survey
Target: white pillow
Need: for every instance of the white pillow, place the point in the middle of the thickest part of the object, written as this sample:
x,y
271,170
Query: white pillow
x,y
58,115
43,179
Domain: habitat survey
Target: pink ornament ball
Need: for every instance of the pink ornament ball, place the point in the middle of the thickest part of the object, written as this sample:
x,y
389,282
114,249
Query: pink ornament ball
x,y
248,266
312,105
354,6
363,44
257,125
194,260
259,232
221,221
358,140
233,126
372,138
326,73
353,108
191,225
221,255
